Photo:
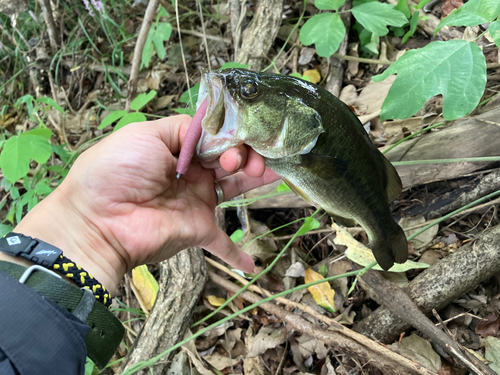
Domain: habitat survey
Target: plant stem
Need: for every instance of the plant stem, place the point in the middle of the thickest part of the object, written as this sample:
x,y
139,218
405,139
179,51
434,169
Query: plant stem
x,y
412,135
439,161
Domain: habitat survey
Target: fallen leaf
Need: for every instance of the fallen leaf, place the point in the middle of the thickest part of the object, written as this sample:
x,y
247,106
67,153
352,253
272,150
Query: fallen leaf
x,y
295,270
220,362
338,268
216,301
420,350
252,365
313,75
145,285
309,346
422,239
306,55
398,278
488,326
493,353
449,5
430,257
372,97
360,254
231,337
349,95
322,293
267,338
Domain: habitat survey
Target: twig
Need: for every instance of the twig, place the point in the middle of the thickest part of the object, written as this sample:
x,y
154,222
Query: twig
x,y
51,26
139,47
337,336
362,59
201,35
182,52
204,36
398,302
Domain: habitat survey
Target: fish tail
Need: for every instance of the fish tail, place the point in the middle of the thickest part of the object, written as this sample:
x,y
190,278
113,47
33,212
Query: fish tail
x,y
390,248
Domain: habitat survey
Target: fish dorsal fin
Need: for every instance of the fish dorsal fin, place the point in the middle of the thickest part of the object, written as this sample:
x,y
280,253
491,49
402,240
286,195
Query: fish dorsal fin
x,y
394,185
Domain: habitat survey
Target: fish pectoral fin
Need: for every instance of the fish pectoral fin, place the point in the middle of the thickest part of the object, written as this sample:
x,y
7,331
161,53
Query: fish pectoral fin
x,y
394,185
324,166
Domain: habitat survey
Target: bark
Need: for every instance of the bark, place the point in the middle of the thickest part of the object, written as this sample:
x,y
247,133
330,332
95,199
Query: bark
x,y
439,285
182,279
259,36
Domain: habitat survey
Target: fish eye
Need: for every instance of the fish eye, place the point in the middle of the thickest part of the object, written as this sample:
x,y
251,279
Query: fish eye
x,y
249,89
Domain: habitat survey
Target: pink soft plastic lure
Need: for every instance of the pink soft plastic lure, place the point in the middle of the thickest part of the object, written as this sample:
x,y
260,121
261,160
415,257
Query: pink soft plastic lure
x,y
192,137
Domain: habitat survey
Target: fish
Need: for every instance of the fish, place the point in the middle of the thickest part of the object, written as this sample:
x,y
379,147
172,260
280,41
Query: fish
x,y
313,141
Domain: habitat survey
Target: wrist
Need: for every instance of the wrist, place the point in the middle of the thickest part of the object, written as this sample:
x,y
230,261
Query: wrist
x,y
57,221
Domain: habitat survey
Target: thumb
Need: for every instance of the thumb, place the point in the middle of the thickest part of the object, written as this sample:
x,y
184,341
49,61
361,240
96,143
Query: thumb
x,y
224,248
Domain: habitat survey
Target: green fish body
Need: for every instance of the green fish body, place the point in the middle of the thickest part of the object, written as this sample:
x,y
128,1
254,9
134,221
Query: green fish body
x,y
314,142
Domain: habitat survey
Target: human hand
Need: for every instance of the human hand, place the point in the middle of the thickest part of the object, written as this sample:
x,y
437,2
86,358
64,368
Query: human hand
x,y
121,206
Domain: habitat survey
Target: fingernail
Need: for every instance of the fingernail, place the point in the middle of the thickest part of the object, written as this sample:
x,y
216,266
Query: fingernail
x,y
239,161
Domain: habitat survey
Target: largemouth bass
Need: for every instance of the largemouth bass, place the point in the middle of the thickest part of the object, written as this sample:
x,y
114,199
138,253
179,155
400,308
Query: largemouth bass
x,y
313,141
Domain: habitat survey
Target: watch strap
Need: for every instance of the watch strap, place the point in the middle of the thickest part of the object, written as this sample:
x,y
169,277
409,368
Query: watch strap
x,y
106,331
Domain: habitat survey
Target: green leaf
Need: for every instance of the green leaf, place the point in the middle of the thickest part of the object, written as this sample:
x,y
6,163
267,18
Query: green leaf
x,y
456,69
194,94
19,212
422,4
237,236
185,111
10,214
323,270
61,151
402,6
282,187
33,202
232,64
325,30
472,13
141,100
163,31
356,3
43,187
163,12
130,118
147,52
26,197
310,223
112,117
28,99
5,229
329,4
14,192
18,152
375,17
51,102
494,31
42,132
413,27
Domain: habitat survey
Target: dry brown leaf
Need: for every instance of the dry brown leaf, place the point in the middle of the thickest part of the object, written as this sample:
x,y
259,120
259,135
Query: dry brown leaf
x,y
338,268
252,365
450,5
220,362
420,350
322,293
309,345
231,337
422,239
349,95
267,338
488,326
373,95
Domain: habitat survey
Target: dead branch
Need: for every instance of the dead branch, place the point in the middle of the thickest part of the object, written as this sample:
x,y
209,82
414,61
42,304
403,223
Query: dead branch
x,y
259,36
398,302
182,279
51,26
439,285
139,47
340,338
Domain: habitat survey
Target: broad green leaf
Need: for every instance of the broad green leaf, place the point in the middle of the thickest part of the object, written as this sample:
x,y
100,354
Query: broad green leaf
x,y
27,197
42,132
19,212
5,229
18,152
322,293
413,27
89,367
163,12
159,47
356,3
237,236
232,64
360,254
402,6
329,4
472,13
456,69
375,17
325,30
141,100
494,31
185,111
33,202
62,152
147,52
43,187
14,192
51,102
130,118
369,41
28,99
323,270
422,4
310,223
194,94
164,30
282,187
112,117
146,286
